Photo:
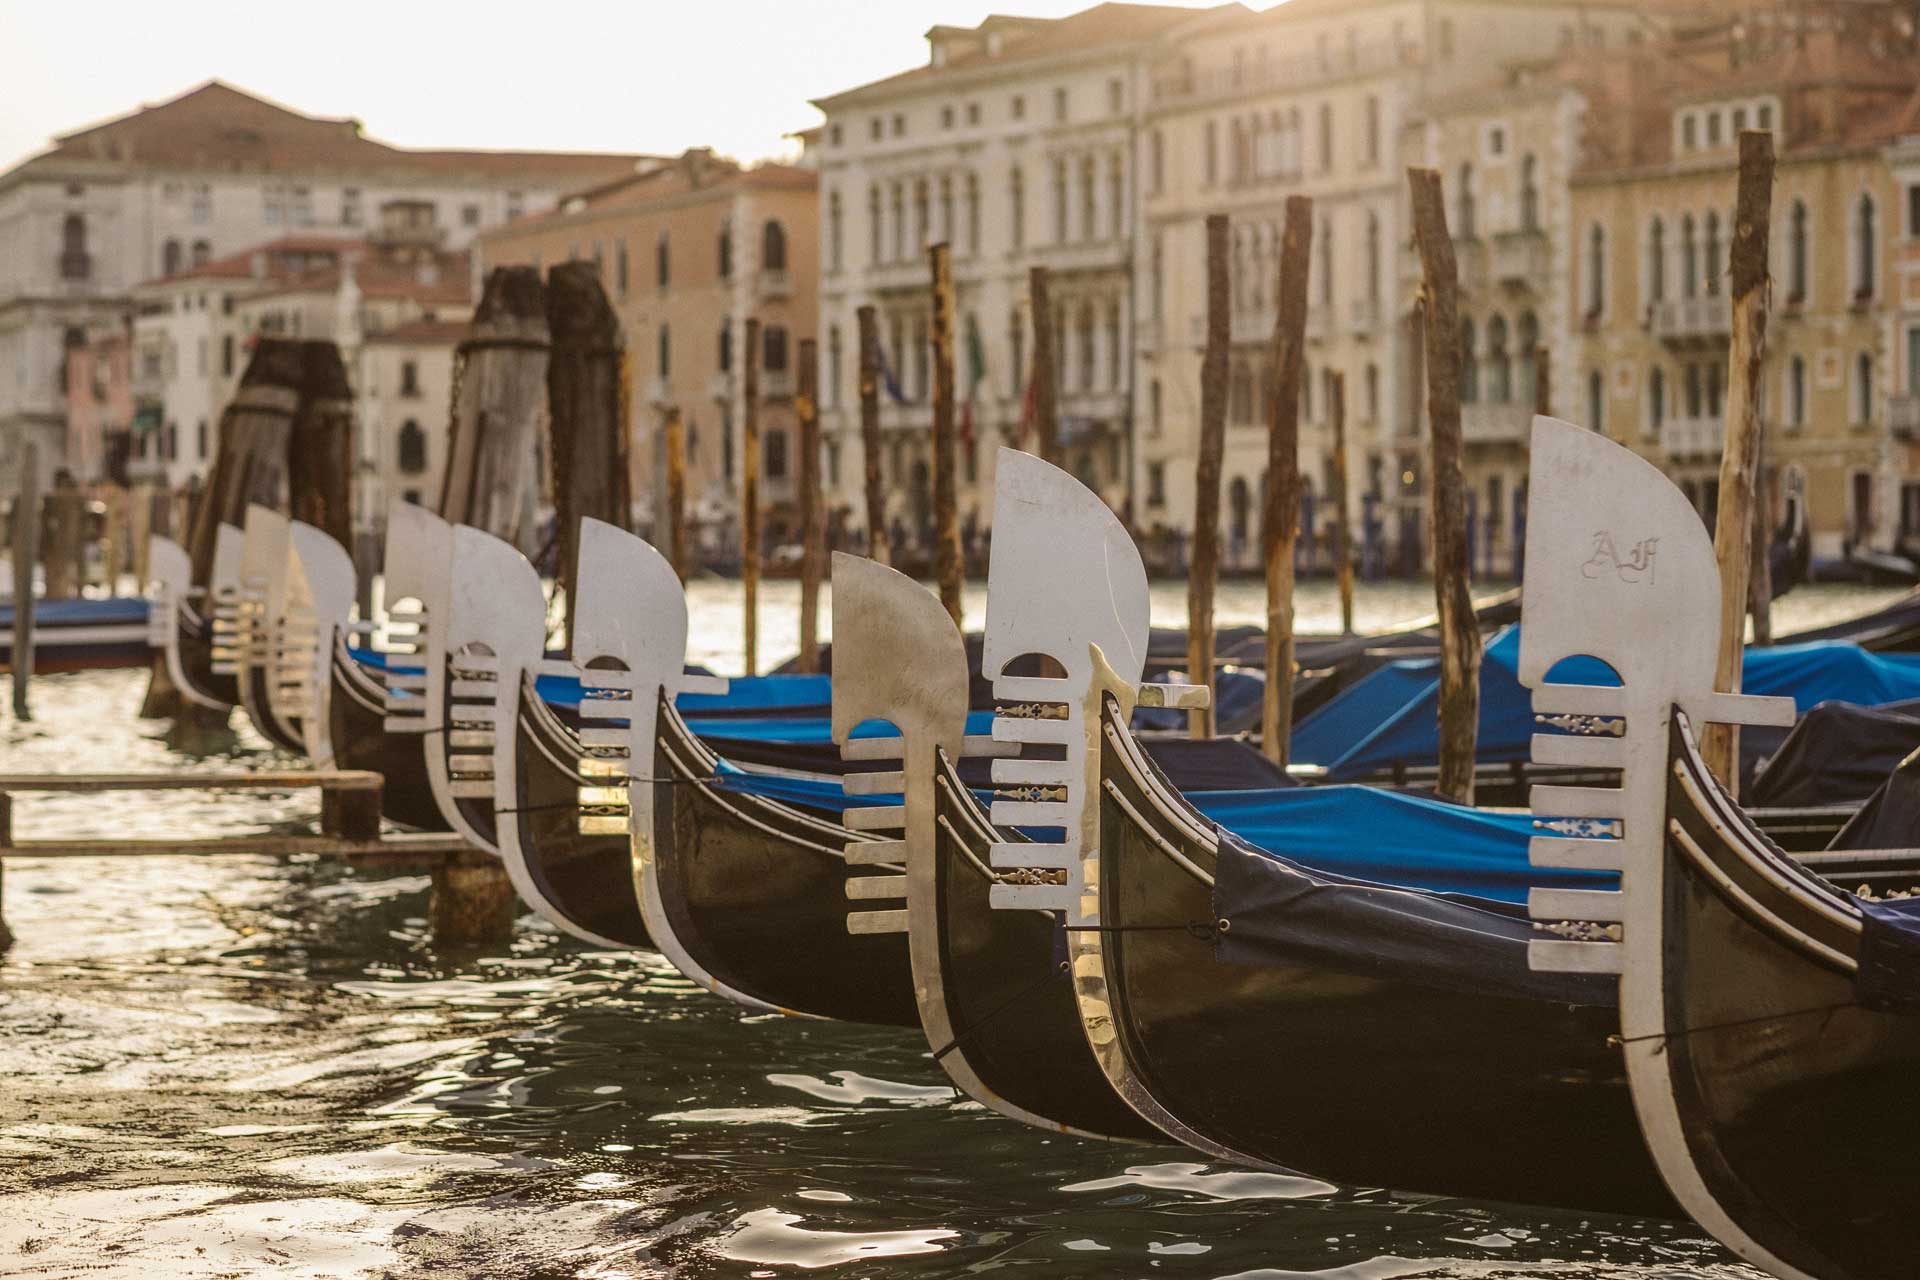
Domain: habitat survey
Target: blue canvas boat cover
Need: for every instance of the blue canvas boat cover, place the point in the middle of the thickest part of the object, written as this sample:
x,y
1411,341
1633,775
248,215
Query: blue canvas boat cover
x,y
50,614
1391,717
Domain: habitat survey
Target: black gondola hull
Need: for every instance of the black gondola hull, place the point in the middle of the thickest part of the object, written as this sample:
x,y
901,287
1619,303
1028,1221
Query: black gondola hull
x,y
356,710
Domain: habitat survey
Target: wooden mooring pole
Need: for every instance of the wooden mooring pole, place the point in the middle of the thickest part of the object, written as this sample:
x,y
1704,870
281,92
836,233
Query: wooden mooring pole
x,y
1342,501
1459,633
1045,389
750,497
585,426
1203,568
1281,523
499,398
949,567
676,443
63,555
320,450
251,464
1760,576
26,553
879,541
813,512
1740,455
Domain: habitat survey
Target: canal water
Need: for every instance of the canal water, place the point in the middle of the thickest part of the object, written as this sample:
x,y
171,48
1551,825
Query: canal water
x,y
255,1066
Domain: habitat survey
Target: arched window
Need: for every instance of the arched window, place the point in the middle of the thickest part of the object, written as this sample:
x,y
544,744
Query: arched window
x,y
1656,399
1527,335
1864,254
1797,252
621,272
170,258
833,366
833,231
1796,392
1237,283
773,245
1596,401
726,241
1086,346
1596,271
1326,136
1464,199
1373,257
1657,260
1306,393
1499,370
1089,221
74,264
874,242
666,351
202,253
662,262
1862,389
1689,258
1710,266
1529,193
726,348
413,448
973,213
773,348
1240,393
1326,262
1469,365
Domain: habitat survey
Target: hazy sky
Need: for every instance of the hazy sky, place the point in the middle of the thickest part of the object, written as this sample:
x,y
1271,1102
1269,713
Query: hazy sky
x,y
625,75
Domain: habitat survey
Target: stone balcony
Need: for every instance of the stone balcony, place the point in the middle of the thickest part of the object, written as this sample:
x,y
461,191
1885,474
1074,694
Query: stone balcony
x,y
775,284
1520,259
1903,416
1064,257
1701,437
776,384
1691,322
1488,424
720,387
658,392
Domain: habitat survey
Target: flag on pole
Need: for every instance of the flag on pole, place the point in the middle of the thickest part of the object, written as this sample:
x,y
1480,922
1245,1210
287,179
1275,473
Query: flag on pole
x,y
976,374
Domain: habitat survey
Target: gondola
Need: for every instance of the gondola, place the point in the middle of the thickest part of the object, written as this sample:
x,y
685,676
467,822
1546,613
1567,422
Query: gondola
x,y
85,634
994,1000
263,588
1770,1023
194,627
318,605
359,738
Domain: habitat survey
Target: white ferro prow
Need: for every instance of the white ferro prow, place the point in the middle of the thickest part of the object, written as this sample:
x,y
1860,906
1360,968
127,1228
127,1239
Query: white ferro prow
x,y
630,644
170,590
223,601
319,602
263,590
1064,581
1620,568
897,657
418,570
494,628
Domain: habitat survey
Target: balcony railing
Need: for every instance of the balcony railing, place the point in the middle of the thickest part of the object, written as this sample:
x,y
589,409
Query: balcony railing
x,y
659,392
1699,437
76,266
1082,255
720,387
776,384
1692,321
1903,416
1495,423
1520,258
776,284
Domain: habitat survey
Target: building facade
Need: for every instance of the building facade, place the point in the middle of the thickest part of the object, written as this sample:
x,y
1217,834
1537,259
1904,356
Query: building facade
x,y
181,184
688,253
1016,145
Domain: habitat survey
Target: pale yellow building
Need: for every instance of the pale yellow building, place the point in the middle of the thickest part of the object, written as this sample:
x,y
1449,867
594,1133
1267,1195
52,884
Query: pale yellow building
x,y
1651,235
688,253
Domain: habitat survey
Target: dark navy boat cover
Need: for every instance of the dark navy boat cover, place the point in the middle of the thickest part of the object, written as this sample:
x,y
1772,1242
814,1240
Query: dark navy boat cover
x,y
1889,975
1839,753
113,611
1890,819
1278,912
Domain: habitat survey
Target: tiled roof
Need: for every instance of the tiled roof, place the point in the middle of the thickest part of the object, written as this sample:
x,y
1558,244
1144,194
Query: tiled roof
x,y
239,266
1030,39
217,126
669,182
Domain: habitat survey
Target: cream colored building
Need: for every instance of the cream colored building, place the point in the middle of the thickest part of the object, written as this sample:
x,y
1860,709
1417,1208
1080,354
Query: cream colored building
x,y
404,384
1016,144
1333,99
1652,230
688,253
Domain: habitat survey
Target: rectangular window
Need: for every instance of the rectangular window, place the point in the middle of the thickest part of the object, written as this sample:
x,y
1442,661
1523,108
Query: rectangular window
x,y
1116,96
1059,104
1019,106
899,126
1763,118
973,113
1687,136
1913,212
1713,128
946,117
470,215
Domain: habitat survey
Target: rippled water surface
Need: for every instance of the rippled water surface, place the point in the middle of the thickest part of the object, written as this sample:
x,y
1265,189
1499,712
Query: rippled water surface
x,y
247,1065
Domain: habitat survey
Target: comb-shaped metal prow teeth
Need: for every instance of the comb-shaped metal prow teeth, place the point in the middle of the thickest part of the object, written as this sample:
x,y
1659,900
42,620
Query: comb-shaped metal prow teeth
x,y
980,746
868,853
707,686
1012,856
876,888
1575,852
868,750
1174,697
1039,732
611,737
882,782
861,922
879,817
1043,773
1554,801
1555,955
606,709
1604,906
1567,749
1030,897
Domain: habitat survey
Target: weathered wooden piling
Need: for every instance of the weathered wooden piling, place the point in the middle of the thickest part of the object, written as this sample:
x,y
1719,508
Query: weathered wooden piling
x,y
1760,575
1542,381
6,840
676,448
1740,455
1281,523
62,553
1044,393
1203,568
750,496
472,903
949,566
1342,501
320,450
499,399
1459,633
585,425
813,511
879,542
250,464
26,553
